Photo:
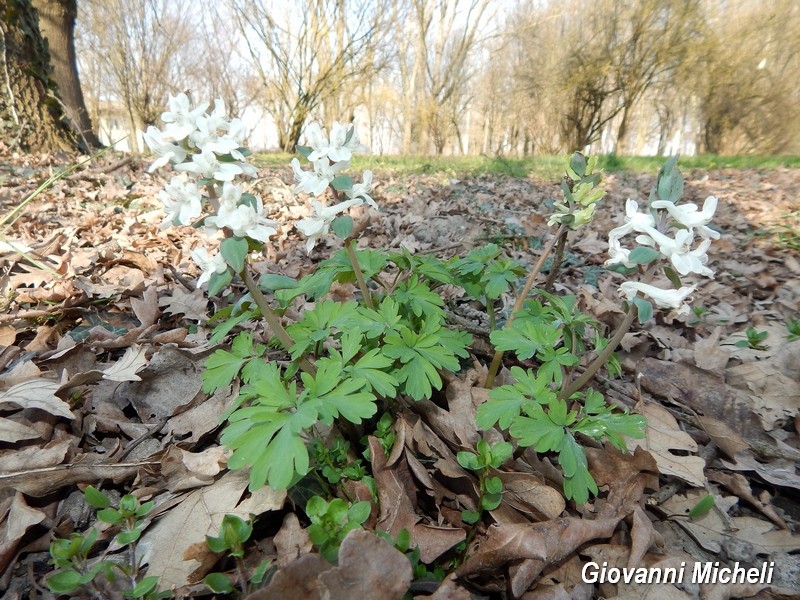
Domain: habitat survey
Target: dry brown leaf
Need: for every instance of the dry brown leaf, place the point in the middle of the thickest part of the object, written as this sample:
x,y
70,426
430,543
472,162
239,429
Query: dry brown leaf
x,y
704,392
709,355
780,472
171,381
184,470
662,437
37,393
206,416
625,474
397,510
14,431
530,495
20,518
7,335
368,568
711,532
739,485
192,305
146,309
126,367
643,537
546,543
164,545
40,482
297,580
773,383
730,442
22,371
563,582
292,541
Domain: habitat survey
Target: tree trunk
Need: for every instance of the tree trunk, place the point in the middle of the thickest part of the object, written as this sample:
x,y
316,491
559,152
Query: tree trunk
x,y
30,115
620,146
57,24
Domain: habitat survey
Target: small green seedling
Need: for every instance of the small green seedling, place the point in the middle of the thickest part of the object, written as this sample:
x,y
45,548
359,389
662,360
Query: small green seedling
x,y
334,463
490,492
71,556
233,533
793,327
754,339
332,521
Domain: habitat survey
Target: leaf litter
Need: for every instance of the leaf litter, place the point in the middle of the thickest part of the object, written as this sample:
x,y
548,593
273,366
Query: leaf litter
x,y
104,335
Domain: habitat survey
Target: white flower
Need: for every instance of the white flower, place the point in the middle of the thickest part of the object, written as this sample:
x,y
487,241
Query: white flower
x,y
242,219
206,138
318,224
207,166
634,220
361,190
618,254
678,250
315,138
182,202
338,148
317,181
208,264
181,118
663,298
688,215
165,150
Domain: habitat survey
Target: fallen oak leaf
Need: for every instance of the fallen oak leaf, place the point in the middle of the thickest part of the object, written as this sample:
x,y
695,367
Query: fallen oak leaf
x,y
548,542
662,437
37,393
126,367
12,431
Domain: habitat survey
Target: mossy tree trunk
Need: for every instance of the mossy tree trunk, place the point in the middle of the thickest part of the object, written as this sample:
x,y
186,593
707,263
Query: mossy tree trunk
x,y
31,116
57,26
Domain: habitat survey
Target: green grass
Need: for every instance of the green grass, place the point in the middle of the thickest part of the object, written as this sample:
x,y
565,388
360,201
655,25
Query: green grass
x,y
543,167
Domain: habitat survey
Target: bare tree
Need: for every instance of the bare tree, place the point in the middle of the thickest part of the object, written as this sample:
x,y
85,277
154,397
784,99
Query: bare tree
x,y
306,52
648,41
437,69
747,79
144,51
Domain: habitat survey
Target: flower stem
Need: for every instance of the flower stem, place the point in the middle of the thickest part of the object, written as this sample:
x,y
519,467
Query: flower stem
x,y
498,356
273,319
604,355
350,246
551,278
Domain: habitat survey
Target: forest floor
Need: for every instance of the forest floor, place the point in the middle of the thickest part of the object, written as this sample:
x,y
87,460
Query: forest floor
x,y
103,338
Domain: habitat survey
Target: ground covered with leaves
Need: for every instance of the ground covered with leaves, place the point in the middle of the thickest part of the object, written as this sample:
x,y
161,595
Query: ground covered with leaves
x,y
104,336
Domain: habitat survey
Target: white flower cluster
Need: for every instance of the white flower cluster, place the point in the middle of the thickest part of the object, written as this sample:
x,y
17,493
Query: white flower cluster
x,y
208,150
329,156
687,221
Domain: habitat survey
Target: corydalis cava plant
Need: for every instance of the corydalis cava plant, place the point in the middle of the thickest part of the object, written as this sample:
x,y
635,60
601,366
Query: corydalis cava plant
x,y
329,157
207,150
675,237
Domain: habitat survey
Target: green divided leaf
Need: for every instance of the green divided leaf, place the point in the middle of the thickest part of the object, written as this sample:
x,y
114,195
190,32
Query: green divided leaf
x,y
222,367
525,338
416,295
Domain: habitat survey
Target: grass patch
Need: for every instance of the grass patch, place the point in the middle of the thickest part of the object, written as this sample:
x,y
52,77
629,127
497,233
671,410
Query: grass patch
x,y
549,167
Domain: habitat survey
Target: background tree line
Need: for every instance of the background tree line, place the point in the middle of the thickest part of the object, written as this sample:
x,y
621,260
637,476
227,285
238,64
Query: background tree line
x,y
446,76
